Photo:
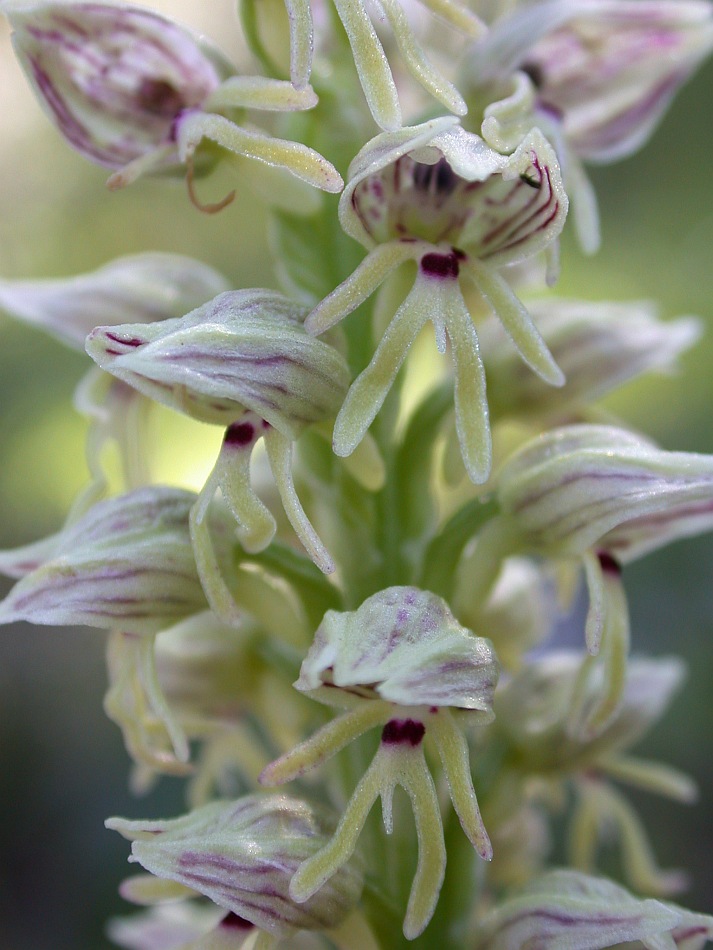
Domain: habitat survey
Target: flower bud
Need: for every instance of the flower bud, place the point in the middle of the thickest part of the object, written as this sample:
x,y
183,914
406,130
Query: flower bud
x,y
145,287
242,854
533,709
585,485
605,69
245,349
133,91
128,563
567,909
598,347
113,78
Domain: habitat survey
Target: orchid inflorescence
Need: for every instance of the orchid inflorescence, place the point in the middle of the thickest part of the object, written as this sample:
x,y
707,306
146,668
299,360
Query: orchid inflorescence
x,y
351,600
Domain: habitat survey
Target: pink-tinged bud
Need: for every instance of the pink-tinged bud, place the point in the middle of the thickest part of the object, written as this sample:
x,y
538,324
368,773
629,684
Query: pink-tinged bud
x,y
246,349
585,485
242,855
113,78
141,287
567,910
133,91
127,563
604,71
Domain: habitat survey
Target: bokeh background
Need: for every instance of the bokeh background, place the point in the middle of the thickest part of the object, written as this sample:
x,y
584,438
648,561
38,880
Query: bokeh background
x,y
63,768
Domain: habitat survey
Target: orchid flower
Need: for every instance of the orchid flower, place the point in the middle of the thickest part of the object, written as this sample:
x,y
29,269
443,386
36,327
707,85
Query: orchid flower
x,y
439,196
532,713
135,92
600,496
241,855
596,75
402,662
244,361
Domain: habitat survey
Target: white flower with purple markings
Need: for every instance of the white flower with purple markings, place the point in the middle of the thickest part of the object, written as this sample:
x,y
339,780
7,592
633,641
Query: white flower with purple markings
x,y
402,662
135,92
439,196
244,361
601,73
241,855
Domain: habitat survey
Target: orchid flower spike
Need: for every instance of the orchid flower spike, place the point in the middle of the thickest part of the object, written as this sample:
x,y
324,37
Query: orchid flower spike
x,y
402,662
241,855
243,361
601,496
438,195
596,75
133,91
368,52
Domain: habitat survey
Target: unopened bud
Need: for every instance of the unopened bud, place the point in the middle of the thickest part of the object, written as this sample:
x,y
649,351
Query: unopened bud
x,y
242,855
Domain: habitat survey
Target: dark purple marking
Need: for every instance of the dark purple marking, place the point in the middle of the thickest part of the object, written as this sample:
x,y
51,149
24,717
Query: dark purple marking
x,y
240,433
609,564
232,921
437,179
535,72
440,265
124,341
160,98
402,731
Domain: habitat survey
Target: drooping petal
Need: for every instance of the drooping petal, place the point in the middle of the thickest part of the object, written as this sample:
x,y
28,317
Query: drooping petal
x,y
298,159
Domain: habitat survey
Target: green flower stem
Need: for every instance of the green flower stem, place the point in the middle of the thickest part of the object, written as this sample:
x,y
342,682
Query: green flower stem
x,y
444,551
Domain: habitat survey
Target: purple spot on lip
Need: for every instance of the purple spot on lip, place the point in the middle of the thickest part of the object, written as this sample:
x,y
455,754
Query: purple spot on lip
x,y
241,433
233,921
440,265
402,732
609,564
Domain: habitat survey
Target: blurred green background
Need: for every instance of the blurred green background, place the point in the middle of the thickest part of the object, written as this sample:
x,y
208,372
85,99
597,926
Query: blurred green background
x,y
63,769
